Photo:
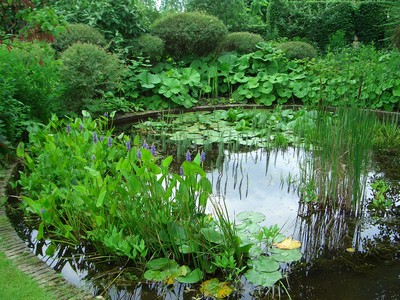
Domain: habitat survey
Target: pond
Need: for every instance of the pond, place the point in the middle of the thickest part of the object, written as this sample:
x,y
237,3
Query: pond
x,y
345,256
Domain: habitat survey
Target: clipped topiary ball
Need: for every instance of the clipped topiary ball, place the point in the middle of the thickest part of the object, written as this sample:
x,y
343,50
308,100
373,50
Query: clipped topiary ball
x,y
298,50
396,37
240,42
87,72
150,46
189,33
79,33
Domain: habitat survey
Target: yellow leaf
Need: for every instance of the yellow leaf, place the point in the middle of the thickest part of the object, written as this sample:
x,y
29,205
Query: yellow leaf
x,y
350,250
224,291
288,244
169,280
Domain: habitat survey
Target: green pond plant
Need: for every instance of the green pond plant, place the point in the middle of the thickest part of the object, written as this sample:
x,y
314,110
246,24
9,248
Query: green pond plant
x,y
89,185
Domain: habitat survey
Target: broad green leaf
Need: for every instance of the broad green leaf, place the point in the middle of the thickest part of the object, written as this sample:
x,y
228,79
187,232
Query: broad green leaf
x,y
265,264
195,276
212,235
263,278
254,217
286,256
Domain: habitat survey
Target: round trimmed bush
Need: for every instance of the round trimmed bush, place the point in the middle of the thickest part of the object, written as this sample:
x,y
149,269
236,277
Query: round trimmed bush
x,y
189,33
150,46
240,42
79,33
396,37
87,72
298,50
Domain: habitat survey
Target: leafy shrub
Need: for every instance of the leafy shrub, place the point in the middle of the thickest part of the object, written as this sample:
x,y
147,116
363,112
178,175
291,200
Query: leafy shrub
x,y
396,37
88,71
189,33
31,76
370,18
79,33
277,15
298,50
150,46
240,42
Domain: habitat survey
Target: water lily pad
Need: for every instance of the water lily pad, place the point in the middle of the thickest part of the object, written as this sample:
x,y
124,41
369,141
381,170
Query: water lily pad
x,y
194,276
214,288
264,264
286,256
288,244
265,279
251,216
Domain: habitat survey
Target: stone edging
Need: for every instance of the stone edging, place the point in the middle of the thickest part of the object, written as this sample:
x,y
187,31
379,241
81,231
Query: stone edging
x,y
22,257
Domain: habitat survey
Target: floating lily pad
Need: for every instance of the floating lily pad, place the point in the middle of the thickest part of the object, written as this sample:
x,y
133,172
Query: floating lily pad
x,y
252,216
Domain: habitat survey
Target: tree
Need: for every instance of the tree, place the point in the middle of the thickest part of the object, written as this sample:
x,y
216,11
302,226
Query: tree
x,y
28,20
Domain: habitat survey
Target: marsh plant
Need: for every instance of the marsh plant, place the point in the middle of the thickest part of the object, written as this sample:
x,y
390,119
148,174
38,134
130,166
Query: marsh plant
x,y
88,185
335,170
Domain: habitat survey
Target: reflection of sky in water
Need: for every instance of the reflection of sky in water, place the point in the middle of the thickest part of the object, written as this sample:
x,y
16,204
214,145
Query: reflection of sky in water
x,y
257,181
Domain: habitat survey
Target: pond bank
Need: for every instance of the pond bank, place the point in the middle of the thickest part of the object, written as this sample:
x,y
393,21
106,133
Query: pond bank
x,y
16,251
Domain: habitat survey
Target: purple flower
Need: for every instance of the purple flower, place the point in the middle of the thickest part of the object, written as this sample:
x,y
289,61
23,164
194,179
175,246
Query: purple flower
x,y
139,154
181,170
128,145
93,157
105,114
101,138
95,139
42,210
153,150
202,156
68,128
109,142
145,145
80,127
188,156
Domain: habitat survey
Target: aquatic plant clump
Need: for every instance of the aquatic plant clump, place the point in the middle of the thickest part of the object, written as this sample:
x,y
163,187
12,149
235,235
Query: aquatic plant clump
x,y
114,192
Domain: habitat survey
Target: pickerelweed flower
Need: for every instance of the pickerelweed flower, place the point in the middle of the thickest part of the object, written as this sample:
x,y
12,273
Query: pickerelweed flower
x,y
139,154
181,170
95,139
68,128
128,145
80,127
188,156
42,210
202,156
105,114
93,157
109,142
101,138
146,146
153,150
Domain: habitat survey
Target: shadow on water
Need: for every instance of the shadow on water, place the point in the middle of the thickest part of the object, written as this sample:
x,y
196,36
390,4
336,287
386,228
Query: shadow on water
x,y
344,257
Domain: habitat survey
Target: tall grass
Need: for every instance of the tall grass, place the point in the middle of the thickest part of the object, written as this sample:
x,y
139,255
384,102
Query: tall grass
x,y
335,168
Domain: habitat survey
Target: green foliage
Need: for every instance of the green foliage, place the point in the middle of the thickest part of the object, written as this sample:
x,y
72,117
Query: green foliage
x,y
119,20
189,33
396,37
379,201
298,50
231,12
31,81
369,23
79,33
88,71
277,18
28,20
240,42
150,46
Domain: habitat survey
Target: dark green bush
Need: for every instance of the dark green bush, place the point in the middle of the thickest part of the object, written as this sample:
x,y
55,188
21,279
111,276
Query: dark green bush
x,y
396,37
339,16
370,20
189,33
240,42
150,46
88,71
30,75
277,18
298,50
79,33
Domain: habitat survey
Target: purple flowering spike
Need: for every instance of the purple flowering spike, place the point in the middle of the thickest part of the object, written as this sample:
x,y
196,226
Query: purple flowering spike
x,y
153,150
105,114
68,128
188,156
80,127
93,157
109,142
101,138
42,210
128,145
146,146
95,139
181,170
202,156
139,154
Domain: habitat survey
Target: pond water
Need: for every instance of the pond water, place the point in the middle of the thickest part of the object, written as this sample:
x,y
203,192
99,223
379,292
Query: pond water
x,y
265,181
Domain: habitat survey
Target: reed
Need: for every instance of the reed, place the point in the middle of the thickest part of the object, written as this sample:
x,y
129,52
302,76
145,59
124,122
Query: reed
x,y
336,164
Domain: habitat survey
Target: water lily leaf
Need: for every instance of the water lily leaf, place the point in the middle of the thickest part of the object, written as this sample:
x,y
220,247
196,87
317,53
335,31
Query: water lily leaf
x,y
161,263
191,277
264,264
286,255
254,217
214,288
288,244
265,279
